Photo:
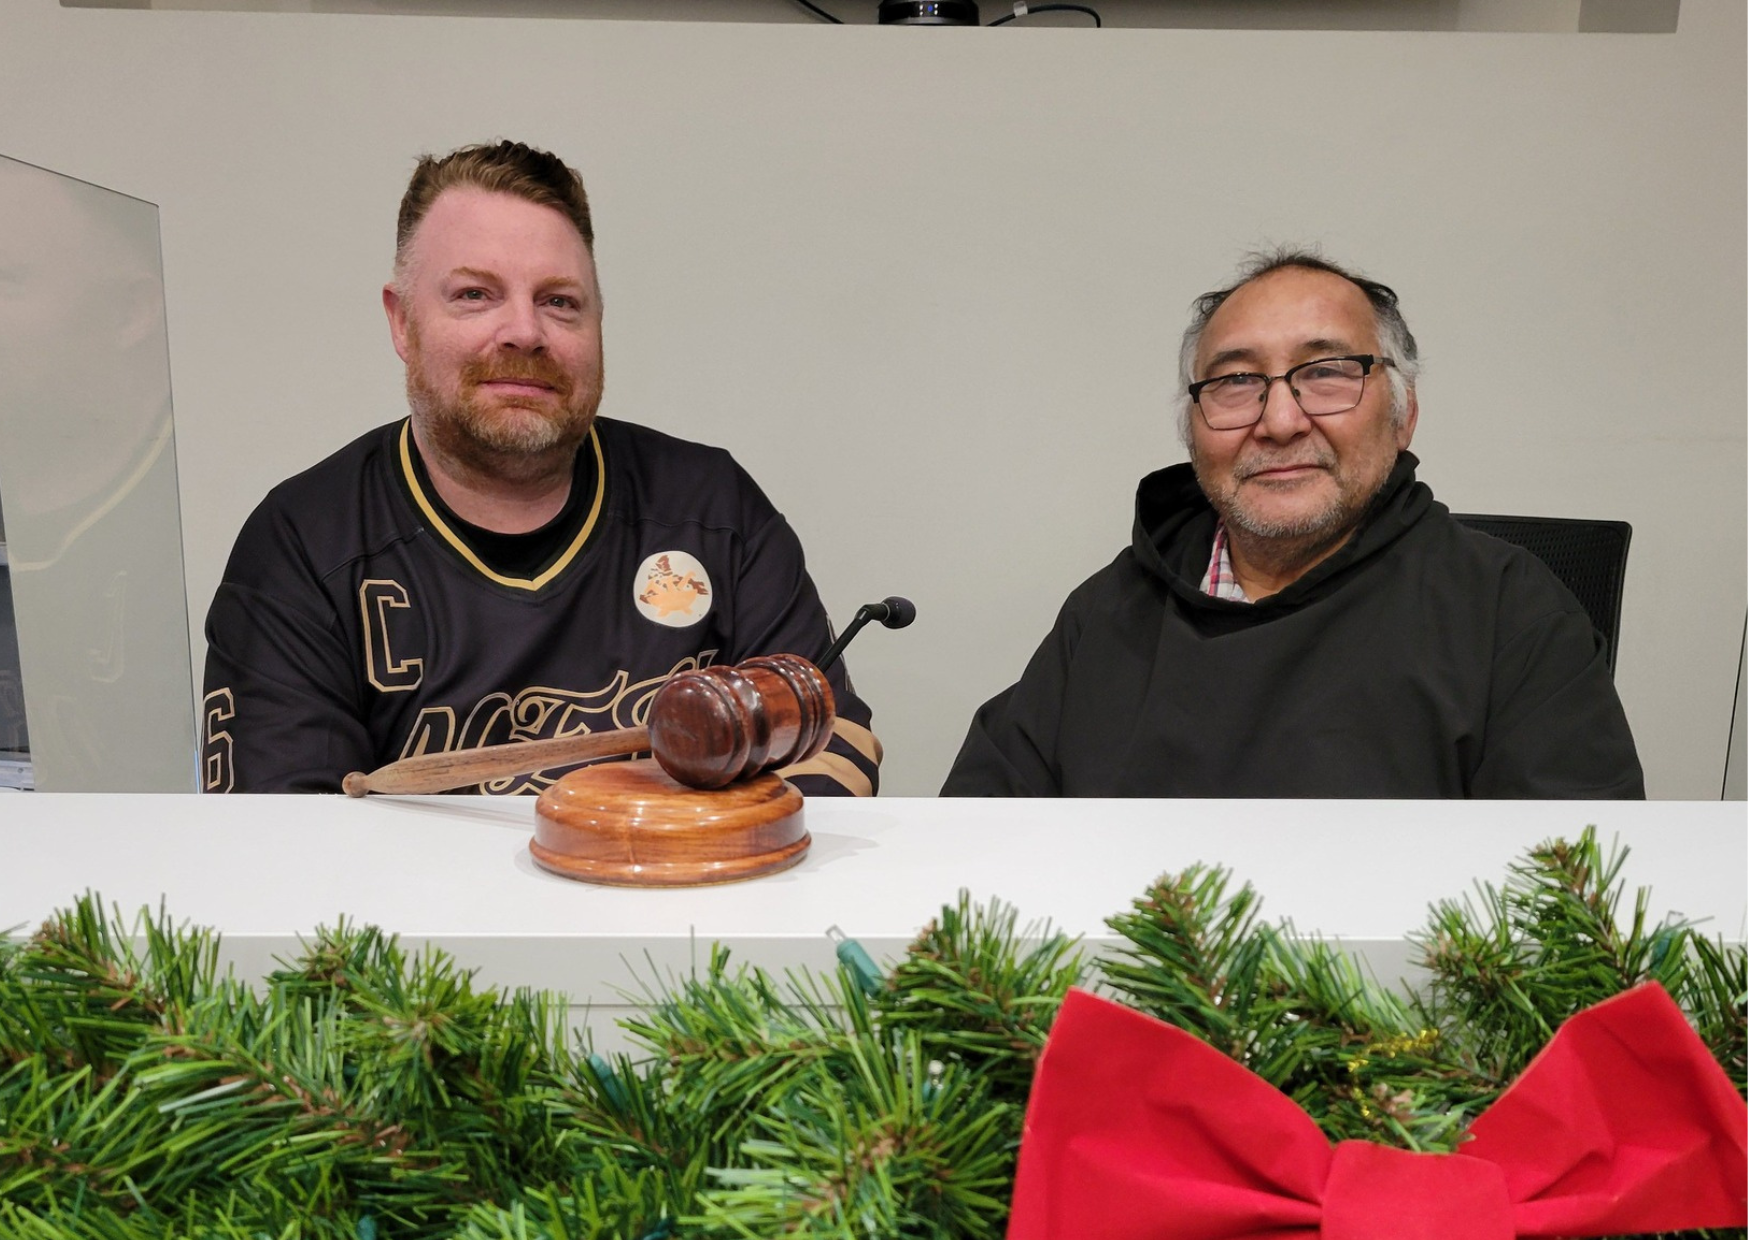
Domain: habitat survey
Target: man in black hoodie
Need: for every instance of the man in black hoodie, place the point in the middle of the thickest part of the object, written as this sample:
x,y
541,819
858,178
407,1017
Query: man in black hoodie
x,y
1297,616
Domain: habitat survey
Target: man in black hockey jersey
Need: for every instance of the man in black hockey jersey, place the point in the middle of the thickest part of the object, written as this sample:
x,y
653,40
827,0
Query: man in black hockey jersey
x,y
502,564
1296,616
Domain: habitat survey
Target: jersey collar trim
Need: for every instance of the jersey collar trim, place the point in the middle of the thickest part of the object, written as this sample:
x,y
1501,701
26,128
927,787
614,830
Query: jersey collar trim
x,y
465,552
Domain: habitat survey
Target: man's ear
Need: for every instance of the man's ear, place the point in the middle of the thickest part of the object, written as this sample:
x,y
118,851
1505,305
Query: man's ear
x,y
1405,432
397,318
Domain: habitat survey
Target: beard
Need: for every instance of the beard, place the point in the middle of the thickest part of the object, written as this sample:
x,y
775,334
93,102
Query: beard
x,y
497,434
1332,517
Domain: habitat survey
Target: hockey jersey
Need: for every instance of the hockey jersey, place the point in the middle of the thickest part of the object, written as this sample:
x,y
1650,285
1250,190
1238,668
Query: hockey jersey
x,y
356,625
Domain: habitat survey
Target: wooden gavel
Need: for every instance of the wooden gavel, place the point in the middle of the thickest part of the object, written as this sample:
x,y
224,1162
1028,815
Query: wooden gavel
x,y
707,728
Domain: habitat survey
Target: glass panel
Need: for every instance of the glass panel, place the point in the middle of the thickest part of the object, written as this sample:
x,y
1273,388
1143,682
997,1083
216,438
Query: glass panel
x,y
15,768
93,533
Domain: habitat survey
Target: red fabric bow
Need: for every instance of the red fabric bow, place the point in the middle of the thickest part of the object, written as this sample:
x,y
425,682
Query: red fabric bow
x,y
1139,1131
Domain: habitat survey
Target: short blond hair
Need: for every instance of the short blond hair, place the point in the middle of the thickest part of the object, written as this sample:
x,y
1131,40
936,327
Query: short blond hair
x,y
501,167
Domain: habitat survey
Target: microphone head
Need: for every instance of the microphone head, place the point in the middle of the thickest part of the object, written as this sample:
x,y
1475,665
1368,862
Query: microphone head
x,y
899,612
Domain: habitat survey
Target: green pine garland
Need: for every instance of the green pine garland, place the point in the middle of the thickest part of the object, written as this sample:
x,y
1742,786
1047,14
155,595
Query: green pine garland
x,y
360,1093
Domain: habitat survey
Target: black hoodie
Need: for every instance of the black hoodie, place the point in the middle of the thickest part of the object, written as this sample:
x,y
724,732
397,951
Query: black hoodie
x,y
1422,659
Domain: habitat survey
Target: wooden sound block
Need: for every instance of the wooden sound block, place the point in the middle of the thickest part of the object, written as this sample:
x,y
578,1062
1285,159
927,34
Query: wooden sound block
x,y
630,824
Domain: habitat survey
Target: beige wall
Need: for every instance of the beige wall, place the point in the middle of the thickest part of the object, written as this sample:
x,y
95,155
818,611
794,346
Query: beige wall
x,y
926,284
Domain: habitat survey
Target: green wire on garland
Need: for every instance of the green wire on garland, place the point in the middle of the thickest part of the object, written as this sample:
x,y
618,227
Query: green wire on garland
x,y
854,957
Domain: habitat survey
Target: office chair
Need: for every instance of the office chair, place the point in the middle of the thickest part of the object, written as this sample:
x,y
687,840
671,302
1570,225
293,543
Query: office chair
x,y
1589,558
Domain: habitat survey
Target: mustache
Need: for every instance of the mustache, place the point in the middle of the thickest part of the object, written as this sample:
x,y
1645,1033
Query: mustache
x,y
1261,464
517,368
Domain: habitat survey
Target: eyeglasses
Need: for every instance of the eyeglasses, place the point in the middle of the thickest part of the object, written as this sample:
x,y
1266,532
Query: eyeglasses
x,y
1327,385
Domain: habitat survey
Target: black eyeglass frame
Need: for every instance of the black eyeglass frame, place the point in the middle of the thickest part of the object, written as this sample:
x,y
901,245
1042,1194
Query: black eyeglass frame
x,y
1366,361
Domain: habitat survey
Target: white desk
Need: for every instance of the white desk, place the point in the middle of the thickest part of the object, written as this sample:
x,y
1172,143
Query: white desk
x,y
455,872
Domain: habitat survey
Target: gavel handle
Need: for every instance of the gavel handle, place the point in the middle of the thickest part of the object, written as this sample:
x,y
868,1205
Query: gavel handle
x,y
438,772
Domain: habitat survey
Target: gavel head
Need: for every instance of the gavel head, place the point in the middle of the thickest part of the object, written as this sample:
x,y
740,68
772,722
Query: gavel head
x,y
713,726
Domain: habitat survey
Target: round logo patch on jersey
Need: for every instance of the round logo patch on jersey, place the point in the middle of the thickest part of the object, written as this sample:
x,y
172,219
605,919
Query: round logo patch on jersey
x,y
672,588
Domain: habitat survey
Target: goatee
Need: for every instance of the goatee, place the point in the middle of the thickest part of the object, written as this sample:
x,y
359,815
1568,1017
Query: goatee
x,y
1333,517
498,435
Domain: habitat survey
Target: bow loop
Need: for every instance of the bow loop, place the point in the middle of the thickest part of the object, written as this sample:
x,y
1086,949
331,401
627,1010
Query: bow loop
x,y
1623,1113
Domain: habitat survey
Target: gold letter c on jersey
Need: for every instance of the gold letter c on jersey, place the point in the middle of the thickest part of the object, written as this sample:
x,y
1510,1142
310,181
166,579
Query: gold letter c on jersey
x,y
387,673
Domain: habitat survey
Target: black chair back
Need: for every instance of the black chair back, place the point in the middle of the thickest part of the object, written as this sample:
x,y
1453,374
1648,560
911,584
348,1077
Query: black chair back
x,y
1589,558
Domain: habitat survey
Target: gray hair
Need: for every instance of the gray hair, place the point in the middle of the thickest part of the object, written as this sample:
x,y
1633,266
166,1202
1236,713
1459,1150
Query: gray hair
x,y
1394,339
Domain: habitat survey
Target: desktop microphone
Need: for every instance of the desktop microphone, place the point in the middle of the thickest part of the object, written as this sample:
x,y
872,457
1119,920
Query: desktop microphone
x,y
892,611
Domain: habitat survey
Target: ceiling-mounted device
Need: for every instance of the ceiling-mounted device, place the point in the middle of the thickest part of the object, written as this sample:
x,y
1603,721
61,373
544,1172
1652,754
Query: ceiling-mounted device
x,y
928,13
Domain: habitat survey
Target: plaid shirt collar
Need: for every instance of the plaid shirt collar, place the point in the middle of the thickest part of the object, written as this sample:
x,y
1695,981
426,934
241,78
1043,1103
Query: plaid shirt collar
x,y
1219,581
